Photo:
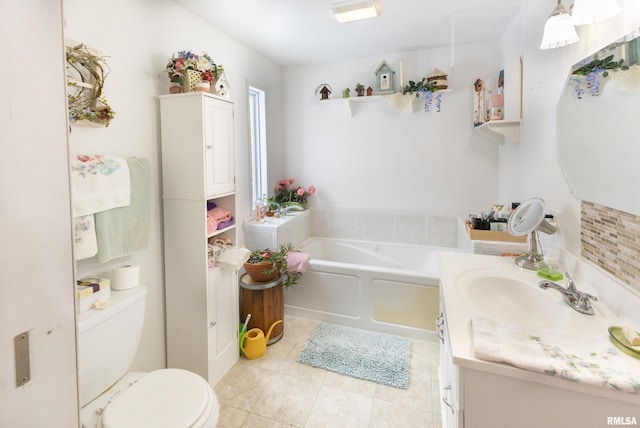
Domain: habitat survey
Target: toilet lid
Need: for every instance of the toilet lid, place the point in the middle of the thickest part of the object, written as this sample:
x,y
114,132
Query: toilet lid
x,y
171,398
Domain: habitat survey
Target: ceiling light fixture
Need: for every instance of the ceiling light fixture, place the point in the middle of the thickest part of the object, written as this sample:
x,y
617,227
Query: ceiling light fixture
x,y
354,10
585,12
559,29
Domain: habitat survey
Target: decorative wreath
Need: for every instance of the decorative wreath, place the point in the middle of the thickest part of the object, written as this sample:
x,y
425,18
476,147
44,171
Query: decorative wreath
x,y
86,72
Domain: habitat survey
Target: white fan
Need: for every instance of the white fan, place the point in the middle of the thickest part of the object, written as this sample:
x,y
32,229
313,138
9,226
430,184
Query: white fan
x,y
528,219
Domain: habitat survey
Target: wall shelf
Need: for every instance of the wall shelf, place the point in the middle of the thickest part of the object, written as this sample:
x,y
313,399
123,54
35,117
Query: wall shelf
x,y
399,101
499,129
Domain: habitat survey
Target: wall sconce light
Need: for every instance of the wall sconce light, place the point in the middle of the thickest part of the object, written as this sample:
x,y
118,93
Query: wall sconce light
x,y
585,12
559,29
354,10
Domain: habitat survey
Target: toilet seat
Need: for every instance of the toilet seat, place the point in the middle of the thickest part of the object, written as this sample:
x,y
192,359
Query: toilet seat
x,y
171,398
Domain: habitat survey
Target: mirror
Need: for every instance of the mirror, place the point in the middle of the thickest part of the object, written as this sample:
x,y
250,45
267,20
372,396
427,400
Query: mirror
x,y
598,133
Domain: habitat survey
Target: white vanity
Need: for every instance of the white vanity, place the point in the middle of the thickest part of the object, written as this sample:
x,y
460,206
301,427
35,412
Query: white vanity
x,y
477,393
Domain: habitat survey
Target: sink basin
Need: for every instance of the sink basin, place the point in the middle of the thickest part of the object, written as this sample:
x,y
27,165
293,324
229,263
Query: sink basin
x,y
505,296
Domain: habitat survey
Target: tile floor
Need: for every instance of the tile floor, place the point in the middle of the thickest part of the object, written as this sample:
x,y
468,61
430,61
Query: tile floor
x,y
275,391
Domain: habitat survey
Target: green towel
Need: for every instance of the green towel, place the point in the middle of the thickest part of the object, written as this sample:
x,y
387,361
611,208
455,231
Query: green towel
x,y
125,230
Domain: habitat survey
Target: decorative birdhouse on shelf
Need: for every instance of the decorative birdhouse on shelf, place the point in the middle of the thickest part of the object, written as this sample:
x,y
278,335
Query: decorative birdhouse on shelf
x,y
221,86
346,93
438,78
385,79
369,91
324,90
359,90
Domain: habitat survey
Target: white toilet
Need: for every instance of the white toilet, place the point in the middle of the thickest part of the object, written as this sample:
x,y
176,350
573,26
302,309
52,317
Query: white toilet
x,y
113,397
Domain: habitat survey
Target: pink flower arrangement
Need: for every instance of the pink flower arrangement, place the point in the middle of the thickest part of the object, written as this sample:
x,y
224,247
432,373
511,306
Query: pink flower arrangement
x,y
286,192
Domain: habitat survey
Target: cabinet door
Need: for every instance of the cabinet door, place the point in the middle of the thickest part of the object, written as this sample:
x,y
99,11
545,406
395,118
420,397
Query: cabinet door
x,y
222,310
219,149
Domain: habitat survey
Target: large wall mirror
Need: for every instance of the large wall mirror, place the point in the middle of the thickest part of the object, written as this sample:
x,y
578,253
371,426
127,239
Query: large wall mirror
x,y
598,132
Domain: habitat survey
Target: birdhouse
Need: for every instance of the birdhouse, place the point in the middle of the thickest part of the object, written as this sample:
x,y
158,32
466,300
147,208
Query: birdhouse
x,y
359,90
324,90
369,91
221,86
346,93
385,79
438,78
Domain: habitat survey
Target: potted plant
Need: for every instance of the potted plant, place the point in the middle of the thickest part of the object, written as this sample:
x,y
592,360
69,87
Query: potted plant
x,y
265,265
189,69
426,89
287,194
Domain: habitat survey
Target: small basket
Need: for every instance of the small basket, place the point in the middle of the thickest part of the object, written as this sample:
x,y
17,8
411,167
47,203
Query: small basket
x,y
190,80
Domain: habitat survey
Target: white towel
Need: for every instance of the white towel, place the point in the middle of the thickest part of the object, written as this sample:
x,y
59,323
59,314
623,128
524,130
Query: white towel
x,y
233,258
84,237
584,359
99,183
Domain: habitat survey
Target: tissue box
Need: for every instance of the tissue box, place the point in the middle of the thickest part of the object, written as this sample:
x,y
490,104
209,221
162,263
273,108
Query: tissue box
x,y
90,290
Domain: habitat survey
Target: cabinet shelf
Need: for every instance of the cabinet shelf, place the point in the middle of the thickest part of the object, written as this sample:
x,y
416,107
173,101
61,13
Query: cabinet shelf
x,y
499,129
221,231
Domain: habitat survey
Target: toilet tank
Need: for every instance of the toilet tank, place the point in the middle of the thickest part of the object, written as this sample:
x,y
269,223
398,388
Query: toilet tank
x,y
108,340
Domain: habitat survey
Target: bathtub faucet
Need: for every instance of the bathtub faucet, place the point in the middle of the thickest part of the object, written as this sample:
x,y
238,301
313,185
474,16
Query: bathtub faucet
x,y
285,210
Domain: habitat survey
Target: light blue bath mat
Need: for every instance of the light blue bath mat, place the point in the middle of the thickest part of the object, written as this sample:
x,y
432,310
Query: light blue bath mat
x,y
378,357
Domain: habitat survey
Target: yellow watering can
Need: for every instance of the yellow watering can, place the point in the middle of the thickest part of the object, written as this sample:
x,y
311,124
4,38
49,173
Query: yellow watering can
x,y
254,344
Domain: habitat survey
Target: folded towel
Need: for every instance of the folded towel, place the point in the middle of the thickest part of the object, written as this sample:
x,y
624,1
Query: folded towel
x,y
297,261
99,183
212,224
225,224
84,237
584,359
233,258
220,214
125,230
221,240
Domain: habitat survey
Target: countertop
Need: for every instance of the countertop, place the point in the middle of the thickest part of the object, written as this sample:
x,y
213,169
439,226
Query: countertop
x,y
616,305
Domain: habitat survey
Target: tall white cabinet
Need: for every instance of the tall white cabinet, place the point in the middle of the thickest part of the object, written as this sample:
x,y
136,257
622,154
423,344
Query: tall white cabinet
x,y
197,169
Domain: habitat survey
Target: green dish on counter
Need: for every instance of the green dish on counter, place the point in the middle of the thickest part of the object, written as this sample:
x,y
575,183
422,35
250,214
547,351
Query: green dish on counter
x,y
617,338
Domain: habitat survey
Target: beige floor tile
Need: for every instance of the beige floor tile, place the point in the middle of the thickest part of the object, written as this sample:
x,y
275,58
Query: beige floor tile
x,y
349,383
243,385
303,371
287,399
231,417
336,407
391,415
256,421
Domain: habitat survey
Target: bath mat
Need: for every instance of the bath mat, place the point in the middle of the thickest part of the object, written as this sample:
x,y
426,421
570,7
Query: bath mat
x,y
378,357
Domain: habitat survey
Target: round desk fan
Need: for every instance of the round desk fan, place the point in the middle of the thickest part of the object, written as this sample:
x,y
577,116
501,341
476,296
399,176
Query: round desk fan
x,y
528,219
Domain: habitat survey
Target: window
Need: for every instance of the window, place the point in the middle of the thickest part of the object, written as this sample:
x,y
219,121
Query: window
x,y
257,123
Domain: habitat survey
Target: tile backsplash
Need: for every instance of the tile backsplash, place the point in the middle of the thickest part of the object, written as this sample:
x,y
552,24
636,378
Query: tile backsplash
x,y
384,226
611,239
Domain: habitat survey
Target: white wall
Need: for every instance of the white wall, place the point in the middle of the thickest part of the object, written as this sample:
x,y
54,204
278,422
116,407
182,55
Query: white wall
x,y
139,37
387,160
531,168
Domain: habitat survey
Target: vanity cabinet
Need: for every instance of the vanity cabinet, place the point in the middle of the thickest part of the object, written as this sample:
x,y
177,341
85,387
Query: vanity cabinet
x,y
202,309
475,393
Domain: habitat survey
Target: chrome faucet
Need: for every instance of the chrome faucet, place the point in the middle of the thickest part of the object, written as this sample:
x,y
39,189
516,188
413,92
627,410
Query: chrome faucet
x,y
285,210
577,300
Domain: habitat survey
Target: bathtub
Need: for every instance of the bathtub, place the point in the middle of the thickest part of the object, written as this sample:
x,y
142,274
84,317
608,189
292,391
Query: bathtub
x,y
386,287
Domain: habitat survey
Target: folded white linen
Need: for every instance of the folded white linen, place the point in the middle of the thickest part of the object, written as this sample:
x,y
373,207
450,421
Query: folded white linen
x,y
233,258
84,237
99,183
584,359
